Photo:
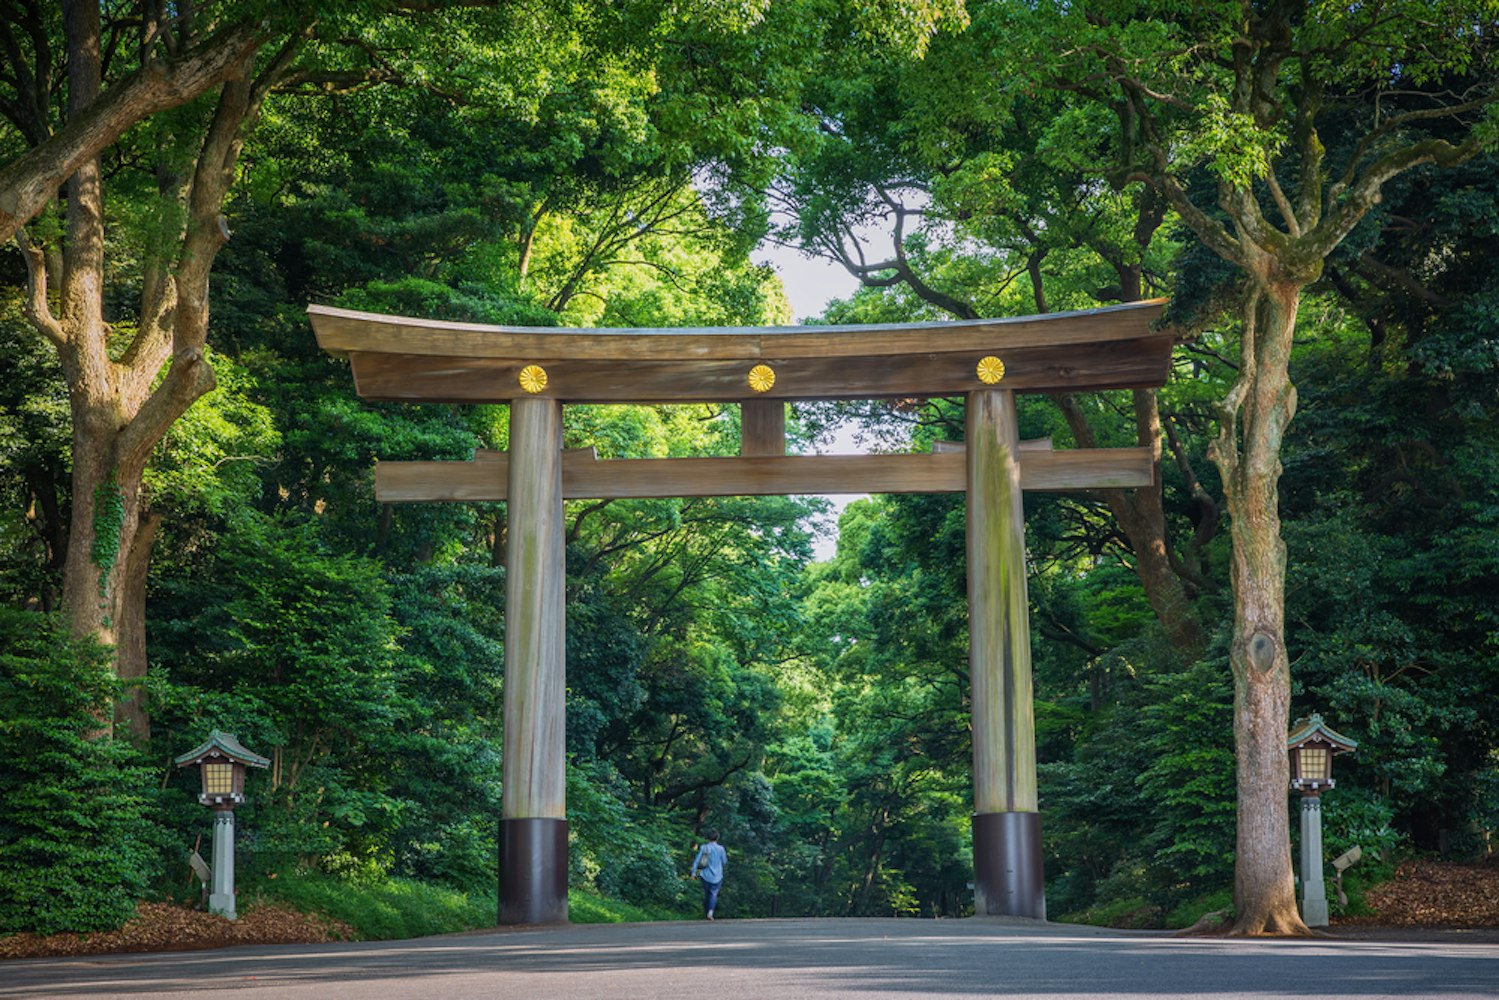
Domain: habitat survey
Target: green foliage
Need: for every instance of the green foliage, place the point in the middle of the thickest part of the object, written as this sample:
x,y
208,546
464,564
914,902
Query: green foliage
x,y
1188,913
293,650
380,909
1186,726
585,907
1388,501
1143,808
207,461
1131,912
77,844
109,518
610,164
617,852
1355,817
35,438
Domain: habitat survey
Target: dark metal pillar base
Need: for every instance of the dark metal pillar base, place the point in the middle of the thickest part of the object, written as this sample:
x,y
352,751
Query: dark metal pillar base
x,y
1008,880
533,871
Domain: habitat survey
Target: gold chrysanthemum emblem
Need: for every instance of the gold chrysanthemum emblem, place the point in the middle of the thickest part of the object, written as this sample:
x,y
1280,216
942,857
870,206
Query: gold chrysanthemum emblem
x,y
991,370
761,378
533,378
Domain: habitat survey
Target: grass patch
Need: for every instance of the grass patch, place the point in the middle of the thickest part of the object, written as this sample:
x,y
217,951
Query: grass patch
x,y
587,908
385,910
397,908
1133,912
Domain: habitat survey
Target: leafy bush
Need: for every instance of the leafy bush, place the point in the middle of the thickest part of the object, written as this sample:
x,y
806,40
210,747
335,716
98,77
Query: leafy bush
x,y
644,876
76,846
1132,912
1357,817
1188,913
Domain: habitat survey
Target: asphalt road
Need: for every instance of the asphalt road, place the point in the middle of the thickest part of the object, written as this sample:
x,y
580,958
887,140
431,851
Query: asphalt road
x,y
786,960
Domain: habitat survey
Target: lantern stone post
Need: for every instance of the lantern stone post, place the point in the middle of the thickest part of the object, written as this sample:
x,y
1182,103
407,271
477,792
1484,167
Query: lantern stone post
x,y
222,761
1312,745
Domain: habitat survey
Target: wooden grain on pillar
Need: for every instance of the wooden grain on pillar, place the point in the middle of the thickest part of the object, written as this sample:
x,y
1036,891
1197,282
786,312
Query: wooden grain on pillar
x,y
535,681
762,427
999,655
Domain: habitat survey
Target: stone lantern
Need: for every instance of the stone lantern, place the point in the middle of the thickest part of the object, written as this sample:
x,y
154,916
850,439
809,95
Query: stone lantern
x,y
222,761
1312,746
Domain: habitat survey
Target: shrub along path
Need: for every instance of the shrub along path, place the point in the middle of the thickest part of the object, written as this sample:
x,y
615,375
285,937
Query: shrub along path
x,y
1430,894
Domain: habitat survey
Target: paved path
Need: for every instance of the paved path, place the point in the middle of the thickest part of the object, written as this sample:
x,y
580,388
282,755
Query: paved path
x,y
785,960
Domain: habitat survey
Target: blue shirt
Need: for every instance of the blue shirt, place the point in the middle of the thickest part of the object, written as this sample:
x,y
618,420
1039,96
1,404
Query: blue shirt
x,y
710,859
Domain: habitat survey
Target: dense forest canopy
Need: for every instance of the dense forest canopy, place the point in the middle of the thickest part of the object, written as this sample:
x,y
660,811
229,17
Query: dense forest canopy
x,y
189,538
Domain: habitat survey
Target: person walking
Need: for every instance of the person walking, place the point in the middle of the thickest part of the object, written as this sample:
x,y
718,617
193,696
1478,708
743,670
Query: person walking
x,y
710,861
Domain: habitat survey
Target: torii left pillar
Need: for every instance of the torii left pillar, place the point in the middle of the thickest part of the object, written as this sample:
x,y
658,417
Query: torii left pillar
x,y
1008,878
533,808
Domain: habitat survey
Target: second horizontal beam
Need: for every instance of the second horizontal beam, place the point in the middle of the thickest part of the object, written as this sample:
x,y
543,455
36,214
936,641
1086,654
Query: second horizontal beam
x,y
584,477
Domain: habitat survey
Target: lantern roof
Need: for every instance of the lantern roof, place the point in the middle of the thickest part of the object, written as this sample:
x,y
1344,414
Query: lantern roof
x,y
1312,729
221,744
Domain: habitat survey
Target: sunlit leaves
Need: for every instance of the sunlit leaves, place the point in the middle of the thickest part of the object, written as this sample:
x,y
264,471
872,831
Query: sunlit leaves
x,y
1233,144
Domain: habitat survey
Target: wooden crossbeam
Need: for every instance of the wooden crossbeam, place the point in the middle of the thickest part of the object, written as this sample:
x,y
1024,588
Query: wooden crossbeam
x,y
410,359
1124,364
584,476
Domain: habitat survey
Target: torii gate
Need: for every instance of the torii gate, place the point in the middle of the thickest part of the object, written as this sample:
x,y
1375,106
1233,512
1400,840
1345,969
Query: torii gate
x,y
537,370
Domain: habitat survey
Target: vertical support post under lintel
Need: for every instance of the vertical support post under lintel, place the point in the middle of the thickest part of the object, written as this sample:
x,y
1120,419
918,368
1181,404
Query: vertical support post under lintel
x,y
1008,877
533,817
762,427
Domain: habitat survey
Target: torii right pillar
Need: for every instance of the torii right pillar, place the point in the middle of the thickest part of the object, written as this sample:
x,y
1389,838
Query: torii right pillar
x,y
1008,876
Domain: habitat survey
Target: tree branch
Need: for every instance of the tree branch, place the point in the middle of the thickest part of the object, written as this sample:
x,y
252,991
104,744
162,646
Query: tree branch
x,y
1364,191
35,305
28,182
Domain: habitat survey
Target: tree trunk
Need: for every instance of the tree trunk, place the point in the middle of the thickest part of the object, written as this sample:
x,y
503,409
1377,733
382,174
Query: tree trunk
x,y
98,539
1247,452
1141,515
95,535
130,648
121,406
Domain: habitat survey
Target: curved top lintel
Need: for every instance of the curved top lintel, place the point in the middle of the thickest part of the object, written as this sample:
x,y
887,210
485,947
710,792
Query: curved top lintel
x,y
341,331
403,358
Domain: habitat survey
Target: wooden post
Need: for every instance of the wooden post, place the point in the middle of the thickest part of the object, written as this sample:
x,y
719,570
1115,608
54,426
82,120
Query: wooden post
x,y
533,823
762,427
1008,878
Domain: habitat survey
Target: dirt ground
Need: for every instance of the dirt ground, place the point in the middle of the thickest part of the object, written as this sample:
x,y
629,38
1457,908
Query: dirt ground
x,y
1424,896
1434,894
168,927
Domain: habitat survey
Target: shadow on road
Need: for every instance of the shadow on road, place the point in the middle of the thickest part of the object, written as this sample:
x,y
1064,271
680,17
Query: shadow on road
x,y
810,957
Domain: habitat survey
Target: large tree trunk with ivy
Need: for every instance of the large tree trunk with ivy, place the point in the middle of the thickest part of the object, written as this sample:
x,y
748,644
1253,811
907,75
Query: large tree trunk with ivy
x,y
123,401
